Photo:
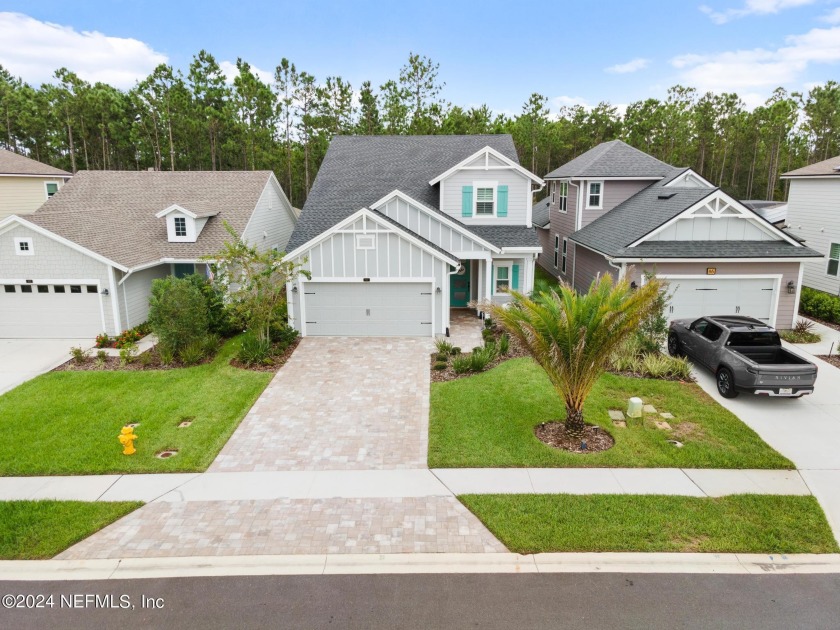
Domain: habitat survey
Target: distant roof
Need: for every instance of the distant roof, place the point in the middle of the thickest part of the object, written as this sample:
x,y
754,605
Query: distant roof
x,y
113,212
539,215
359,170
16,164
772,211
831,166
613,159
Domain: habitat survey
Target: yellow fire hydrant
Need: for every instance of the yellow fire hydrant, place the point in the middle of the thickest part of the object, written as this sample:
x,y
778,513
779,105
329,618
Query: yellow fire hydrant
x,y
126,438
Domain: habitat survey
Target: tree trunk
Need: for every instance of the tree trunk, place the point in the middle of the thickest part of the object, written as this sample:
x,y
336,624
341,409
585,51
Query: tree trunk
x,y
574,423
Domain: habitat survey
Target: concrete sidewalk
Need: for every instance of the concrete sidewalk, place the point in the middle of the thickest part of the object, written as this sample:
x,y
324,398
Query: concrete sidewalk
x,y
372,484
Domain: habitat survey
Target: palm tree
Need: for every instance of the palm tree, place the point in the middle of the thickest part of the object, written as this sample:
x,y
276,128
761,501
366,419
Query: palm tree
x,y
572,336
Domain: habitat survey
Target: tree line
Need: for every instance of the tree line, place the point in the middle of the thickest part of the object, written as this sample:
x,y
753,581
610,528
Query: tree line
x,y
199,120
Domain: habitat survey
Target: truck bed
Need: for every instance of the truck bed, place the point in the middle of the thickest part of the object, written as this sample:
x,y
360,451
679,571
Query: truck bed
x,y
771,356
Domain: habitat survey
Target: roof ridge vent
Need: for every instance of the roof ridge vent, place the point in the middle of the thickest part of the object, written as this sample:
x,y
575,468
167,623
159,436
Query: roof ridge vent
x,y
667,195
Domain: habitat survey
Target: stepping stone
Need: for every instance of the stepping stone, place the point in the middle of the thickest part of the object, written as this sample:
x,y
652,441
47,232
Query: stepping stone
x,y
616,414
649,409
666,415
621,424
662,425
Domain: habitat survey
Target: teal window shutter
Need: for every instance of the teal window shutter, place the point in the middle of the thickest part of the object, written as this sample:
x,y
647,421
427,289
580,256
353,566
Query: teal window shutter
x,y
502,199
514,282
492,279
466,201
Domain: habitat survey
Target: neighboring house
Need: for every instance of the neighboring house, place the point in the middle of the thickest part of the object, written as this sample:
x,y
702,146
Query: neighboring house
x,y
84,263
814,215
26,184
774,211
619,211
397,230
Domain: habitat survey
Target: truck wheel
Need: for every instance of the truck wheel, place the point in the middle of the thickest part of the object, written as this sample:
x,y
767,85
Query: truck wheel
x,y
726,383
674,345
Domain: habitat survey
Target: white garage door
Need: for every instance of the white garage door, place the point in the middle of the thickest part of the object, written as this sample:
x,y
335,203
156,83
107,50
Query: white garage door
x,y
753,297
56,311
368,309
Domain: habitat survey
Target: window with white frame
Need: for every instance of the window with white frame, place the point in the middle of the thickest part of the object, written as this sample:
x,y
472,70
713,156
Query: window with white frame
x,y
24,247
556,249
485,200
51,188
180,226
565,249
365,241
595,193
553,190
503,279
564,196
833,259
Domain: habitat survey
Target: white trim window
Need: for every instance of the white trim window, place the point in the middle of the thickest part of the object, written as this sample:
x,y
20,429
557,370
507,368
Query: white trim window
x,y
553,191
833,268
180,226
503,279
565,251
365,241
485,199
594,195
563,205
50,188
24,247
557,249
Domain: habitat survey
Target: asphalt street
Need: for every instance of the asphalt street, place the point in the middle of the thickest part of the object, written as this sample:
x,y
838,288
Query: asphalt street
x,y
585,600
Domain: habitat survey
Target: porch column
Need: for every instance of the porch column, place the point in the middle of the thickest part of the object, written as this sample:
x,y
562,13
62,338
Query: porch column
x,y
488,278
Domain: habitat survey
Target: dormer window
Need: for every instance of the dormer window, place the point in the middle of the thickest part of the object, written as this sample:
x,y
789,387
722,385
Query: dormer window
x,y
183,225
180,226
484,201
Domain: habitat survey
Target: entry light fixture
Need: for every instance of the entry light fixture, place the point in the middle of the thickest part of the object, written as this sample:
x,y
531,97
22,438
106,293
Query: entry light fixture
x,y
104,291
294,289
791,286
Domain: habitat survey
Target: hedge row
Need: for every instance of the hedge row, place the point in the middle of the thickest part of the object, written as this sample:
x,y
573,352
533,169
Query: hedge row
x,y
820,305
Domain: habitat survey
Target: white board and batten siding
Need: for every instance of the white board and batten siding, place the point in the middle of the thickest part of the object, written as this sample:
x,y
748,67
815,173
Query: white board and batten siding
x,y
272,222
338,260
713,229
814,215
518,202
435,230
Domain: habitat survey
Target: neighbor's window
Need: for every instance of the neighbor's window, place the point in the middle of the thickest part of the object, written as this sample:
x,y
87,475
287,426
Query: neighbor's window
x,y
52,188
833,259
502,279
24,247
564,196
180,226
565,248
556,249
484,201
595,192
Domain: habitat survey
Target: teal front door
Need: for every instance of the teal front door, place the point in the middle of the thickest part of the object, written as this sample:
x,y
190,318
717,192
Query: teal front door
x,y
459,287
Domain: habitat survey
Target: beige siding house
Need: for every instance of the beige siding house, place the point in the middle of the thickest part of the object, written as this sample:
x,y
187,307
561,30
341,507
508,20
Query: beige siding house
x,y
616,210
26,184
84,263
813,215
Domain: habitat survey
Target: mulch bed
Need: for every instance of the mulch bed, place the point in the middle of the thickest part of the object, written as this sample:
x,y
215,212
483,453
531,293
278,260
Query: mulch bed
x,y
149,360
554,434
822,321
277,361
834,359
516,351
673,379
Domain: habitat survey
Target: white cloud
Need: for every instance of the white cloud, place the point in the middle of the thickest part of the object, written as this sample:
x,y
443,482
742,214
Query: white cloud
x,y
752,7
758,69
832,17
231,72
34,50
634,65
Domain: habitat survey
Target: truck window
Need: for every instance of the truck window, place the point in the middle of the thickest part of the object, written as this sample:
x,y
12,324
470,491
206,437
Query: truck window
x,y
754,339
712,332
699,326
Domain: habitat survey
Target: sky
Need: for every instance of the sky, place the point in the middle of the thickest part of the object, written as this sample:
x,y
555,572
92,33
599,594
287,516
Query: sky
x,y
490,52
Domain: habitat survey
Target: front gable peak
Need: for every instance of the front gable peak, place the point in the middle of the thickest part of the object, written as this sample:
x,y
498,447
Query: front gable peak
x,y
487,159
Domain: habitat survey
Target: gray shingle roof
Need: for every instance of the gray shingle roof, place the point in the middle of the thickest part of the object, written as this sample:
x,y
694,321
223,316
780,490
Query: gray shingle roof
x,y
539,215
507,235
613,159
16,164
113,212
359,170
718,249
831,166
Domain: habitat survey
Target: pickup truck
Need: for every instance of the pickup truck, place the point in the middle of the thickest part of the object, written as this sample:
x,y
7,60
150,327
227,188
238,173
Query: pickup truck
x,y
745,354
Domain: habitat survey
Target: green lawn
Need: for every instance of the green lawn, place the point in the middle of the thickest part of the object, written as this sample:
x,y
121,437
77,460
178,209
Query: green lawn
x,y
538,523
68,422
542,274
488,420
35,530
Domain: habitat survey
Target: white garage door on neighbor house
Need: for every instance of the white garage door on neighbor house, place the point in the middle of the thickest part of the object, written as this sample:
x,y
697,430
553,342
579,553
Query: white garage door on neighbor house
x,y
367,309
695,297
43,310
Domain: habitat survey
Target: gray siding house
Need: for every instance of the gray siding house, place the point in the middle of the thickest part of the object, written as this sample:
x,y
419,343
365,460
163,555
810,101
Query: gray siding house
x,y
616,210
813,214
84,263
397,231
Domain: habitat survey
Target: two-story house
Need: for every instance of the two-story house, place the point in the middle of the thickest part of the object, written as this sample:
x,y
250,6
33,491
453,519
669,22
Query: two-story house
x,y
399,230
26,184
616,210
84,263
813,214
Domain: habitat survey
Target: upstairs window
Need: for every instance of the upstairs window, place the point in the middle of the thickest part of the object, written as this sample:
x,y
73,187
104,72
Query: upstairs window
x,y
553,190
594,195
24,247
833,259
180,226
564,196
52,188
565,250
557,248
484,201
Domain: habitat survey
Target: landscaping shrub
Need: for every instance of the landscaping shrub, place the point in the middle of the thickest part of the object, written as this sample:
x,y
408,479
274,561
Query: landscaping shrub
x,y
253,350
127,338
101,357
439,365
802,332
145,359
193,352
283,335
820,305
178,312
503,347
487,334
455,351
443,346
653,330
663,366
442,357
461,364
210,344
218,317
488,322
479,360
103,341
127,354
166,354
80,355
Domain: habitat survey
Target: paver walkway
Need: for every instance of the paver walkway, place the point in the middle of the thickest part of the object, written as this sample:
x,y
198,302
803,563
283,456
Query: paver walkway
x,y
465,329
339,404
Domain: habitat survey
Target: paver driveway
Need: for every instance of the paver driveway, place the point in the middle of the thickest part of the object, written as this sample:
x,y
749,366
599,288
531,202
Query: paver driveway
x,y
339,404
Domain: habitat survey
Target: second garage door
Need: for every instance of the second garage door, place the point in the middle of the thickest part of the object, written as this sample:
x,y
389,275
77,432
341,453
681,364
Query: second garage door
x,y
368,309
695,297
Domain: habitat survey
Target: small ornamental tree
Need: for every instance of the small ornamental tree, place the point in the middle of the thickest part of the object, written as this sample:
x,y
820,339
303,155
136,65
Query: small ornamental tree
x,y
254,283
177,312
